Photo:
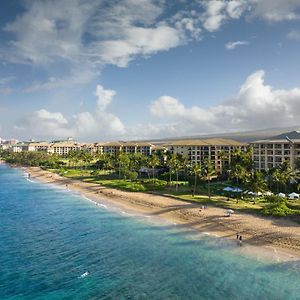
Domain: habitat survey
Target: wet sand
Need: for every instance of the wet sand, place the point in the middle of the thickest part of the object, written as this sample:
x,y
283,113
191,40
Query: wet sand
x,y
280,237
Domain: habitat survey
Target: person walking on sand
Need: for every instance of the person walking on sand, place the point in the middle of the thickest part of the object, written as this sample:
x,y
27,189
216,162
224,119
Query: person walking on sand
x,y
240,240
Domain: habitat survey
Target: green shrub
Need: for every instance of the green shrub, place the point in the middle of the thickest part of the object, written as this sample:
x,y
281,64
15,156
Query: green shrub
x,y
130,175
137,187
277,209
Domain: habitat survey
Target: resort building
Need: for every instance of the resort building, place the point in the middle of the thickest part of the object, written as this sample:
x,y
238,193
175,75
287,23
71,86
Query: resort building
x,y
19,147
63,148
217,151
88,148
126,147
272,152
112,148
143,148
98,148
39,146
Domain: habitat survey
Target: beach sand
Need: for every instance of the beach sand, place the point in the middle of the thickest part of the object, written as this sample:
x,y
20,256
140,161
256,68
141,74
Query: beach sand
x,y
280,237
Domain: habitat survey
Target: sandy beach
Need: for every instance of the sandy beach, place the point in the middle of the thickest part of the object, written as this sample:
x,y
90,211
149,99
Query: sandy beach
x,y
279,236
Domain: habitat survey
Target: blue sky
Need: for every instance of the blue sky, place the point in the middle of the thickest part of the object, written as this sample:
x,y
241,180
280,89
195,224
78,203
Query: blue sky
x,y
107,70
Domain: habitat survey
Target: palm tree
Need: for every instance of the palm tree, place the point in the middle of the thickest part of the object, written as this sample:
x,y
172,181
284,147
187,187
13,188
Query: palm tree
x,y
257,182
223,155
123,162
277,178
169,164
137,161
153,163
208,172
87,158
176,165
196,171
238,173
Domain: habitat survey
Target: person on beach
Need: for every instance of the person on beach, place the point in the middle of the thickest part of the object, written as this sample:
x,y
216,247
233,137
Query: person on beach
x,y
240,240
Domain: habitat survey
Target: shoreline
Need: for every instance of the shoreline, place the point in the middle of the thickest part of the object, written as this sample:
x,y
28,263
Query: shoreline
x,y
282,237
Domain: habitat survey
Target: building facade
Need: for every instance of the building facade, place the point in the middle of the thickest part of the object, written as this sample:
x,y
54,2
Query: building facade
x,y
272,152
217,151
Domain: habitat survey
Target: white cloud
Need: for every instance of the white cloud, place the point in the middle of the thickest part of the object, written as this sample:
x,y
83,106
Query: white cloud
x,y
88,32
5,80
75,78
5,91
275,10
294,35
87,125
255,106
104,97
81,37
136,41
233,45
216,12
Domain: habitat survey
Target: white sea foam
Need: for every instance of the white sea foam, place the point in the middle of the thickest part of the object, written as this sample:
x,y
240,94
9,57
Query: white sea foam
x,y
30,180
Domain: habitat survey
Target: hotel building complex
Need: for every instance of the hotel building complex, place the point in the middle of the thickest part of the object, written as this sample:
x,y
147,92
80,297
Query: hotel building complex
x,y
217,151
272,152
266,154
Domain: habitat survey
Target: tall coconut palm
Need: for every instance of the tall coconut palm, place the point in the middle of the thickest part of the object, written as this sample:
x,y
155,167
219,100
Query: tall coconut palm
x,y
238,173
256,182
223,155
196,170
208,173
176,166
153,163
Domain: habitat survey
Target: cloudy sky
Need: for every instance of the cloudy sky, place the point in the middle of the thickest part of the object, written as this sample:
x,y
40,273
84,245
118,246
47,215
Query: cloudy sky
x,y
125,69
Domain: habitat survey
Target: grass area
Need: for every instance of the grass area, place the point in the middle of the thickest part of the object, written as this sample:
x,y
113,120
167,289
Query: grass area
x,y
184,192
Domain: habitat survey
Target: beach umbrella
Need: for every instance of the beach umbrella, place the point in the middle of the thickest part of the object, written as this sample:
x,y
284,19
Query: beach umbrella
x,y
281,195
228,189
268,193
228,212
293,196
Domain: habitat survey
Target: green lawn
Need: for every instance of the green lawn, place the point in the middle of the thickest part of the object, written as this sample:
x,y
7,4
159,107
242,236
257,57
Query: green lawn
x,y
184,192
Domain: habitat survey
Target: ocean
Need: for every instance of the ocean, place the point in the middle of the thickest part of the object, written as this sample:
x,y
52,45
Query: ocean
x,y
54,244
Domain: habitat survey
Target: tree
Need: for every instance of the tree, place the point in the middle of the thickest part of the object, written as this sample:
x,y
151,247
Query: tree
x,y
87,158
238,173
223,155
208,172
153,163
176,165
137,161
282,175
123,162
196,171
257,182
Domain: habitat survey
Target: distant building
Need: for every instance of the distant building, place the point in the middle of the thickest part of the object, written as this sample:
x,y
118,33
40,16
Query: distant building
x,y
10,142
112,148
217,151
272,152
39,146
126,147
64,147
19,147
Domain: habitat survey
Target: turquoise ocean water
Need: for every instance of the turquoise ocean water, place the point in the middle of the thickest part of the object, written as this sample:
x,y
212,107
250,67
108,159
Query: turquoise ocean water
x,y
49,237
